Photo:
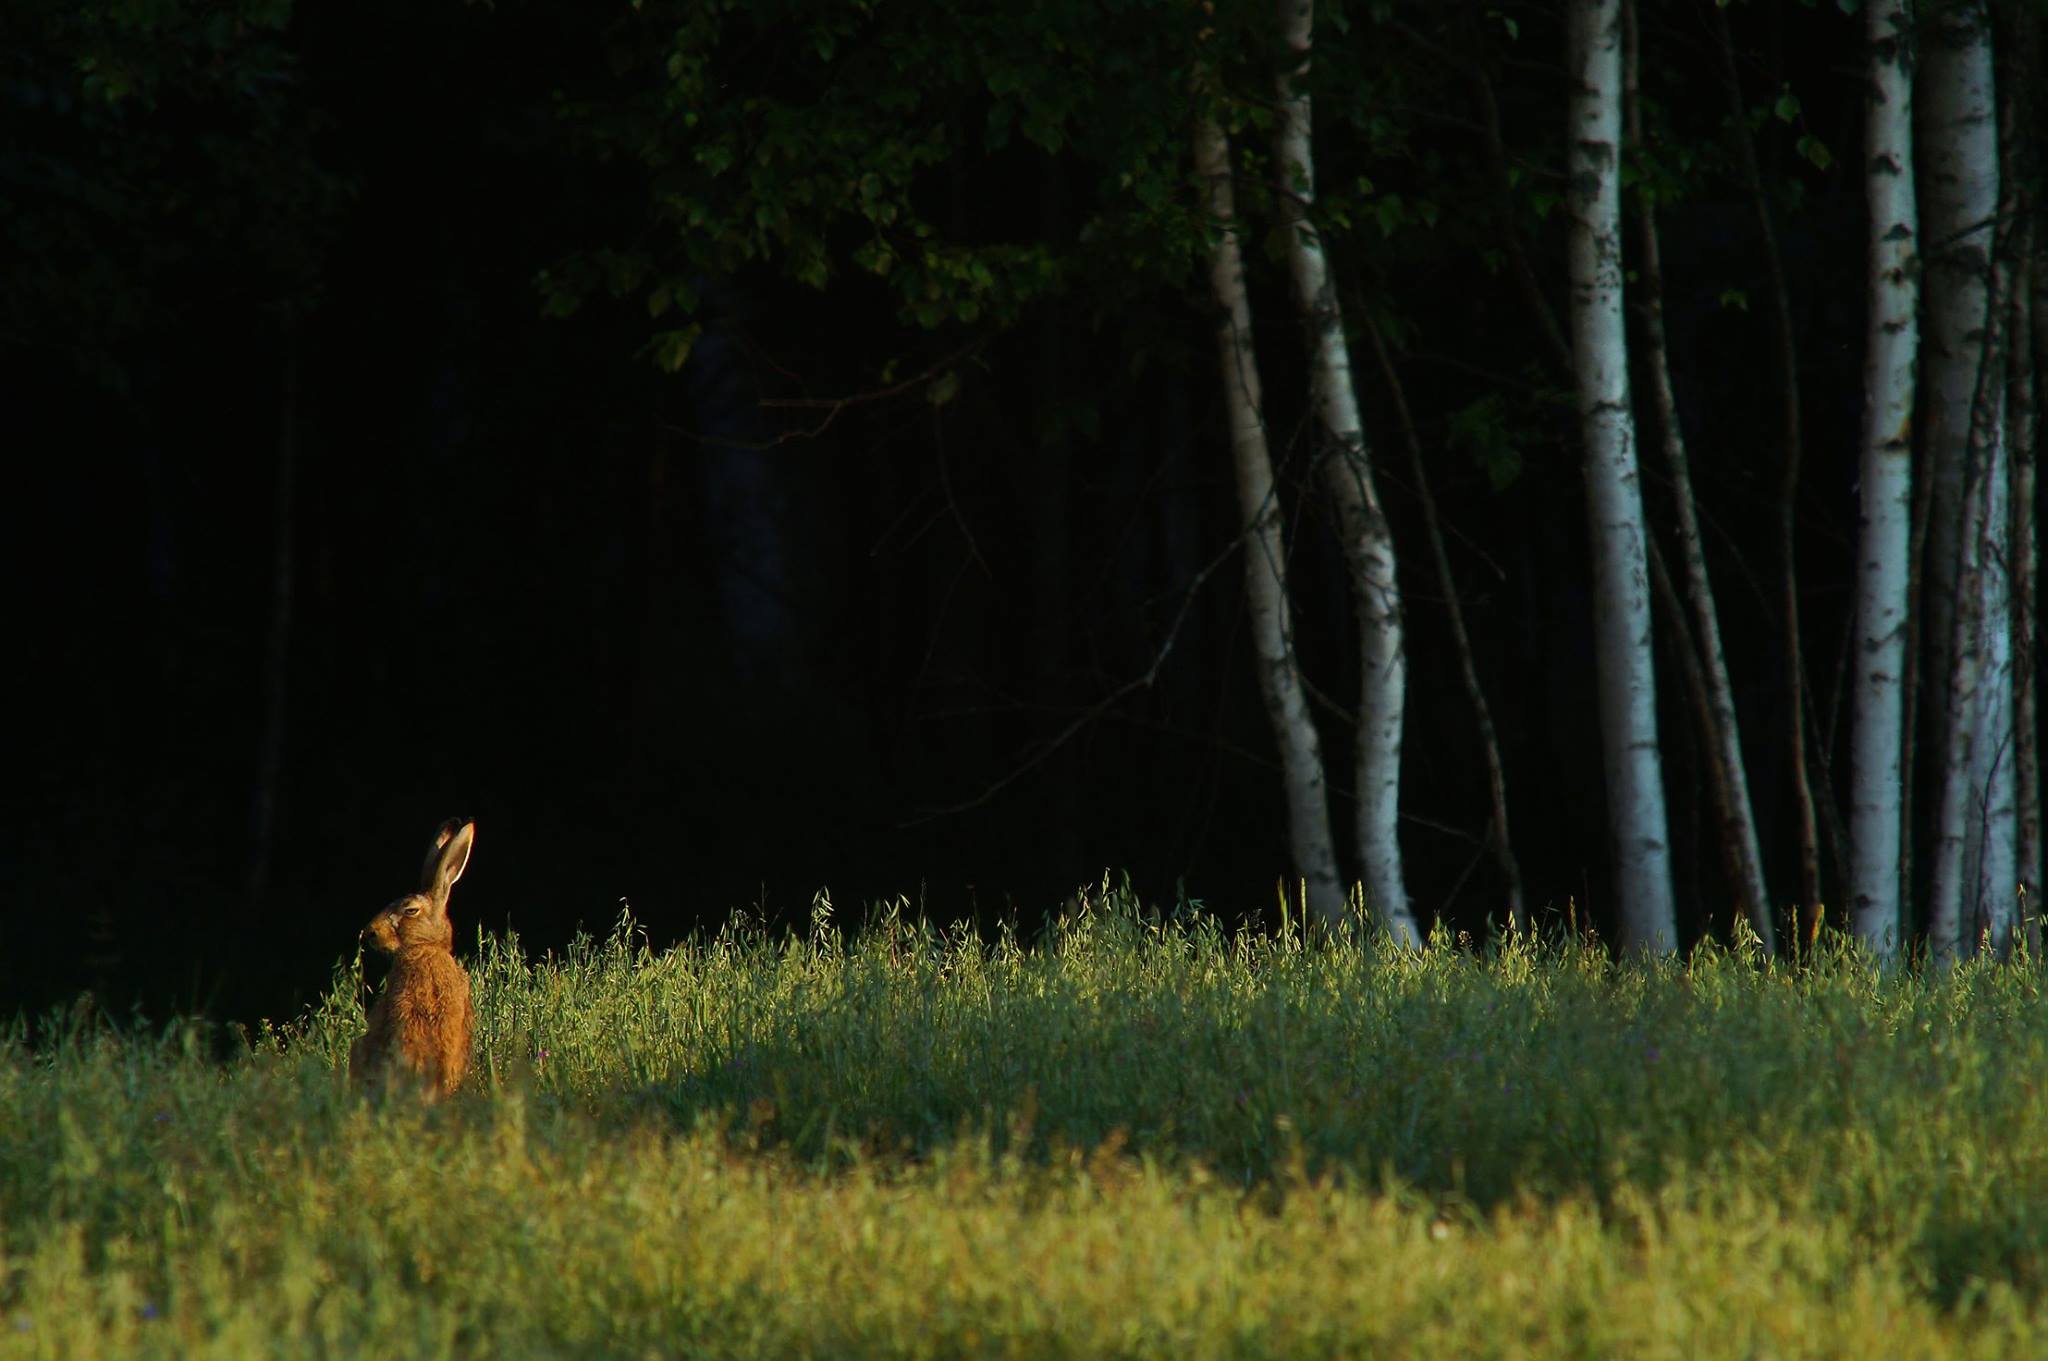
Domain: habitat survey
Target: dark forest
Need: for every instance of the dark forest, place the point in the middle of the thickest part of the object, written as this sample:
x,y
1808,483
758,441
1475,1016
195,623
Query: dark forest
x,y
513,411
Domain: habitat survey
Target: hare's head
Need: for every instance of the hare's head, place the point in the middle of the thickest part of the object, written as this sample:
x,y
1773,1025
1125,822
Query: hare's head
x,y
422,918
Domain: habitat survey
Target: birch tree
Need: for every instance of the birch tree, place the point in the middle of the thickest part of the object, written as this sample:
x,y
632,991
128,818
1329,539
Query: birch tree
x,y
1957,163
1265,547
1974,855
1967,588
1347,474
1989,561
1621,592
1891,341
2019,109
2021,414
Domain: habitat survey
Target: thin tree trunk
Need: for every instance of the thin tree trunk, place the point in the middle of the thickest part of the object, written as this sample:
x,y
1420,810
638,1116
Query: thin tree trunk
x,y
1518,257
1957,158
1973,864
1916,714
1891,340
277,650
1499,841
1621,599
2021,414
1694,675
1791,449
1519,263
1968,280
2029,344
1347,473
1265,549
1721,732
1834,836
1993,766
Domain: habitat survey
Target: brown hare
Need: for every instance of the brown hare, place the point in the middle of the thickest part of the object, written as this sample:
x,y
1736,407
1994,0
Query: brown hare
x,y
419,1029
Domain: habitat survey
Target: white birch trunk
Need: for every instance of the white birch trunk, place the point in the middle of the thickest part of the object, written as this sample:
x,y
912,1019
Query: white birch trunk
x,y
1621,595
1265,548
2019,175
1967,589
1886,506
1368,544
1957,157
1994,895
1994,754
1975,865
2030,341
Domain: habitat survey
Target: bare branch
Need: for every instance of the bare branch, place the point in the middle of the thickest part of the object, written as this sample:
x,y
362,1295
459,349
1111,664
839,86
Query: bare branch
x,y
1142,681
833,407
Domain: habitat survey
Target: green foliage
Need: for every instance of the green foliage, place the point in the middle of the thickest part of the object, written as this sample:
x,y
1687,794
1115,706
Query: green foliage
x,y
910,146
149,141
1138,1137
672,348
813,138
1483,432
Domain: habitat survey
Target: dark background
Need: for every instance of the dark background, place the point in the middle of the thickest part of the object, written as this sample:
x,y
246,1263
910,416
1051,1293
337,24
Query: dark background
x,y
535,581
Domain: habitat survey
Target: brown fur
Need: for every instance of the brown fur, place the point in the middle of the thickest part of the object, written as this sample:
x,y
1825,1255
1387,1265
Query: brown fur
x,y
418,1033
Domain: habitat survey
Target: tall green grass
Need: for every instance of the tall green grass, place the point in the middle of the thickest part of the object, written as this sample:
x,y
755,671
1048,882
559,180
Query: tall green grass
x,y
1132,1138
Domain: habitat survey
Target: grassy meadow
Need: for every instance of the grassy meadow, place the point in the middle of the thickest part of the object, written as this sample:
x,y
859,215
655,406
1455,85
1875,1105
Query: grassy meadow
x,y
1129,1139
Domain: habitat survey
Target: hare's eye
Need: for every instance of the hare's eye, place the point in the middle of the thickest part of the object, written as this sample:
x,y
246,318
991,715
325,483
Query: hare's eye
x,y
412,909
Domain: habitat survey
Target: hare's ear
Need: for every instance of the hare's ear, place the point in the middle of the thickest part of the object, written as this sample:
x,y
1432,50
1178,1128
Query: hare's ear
x,y
447,859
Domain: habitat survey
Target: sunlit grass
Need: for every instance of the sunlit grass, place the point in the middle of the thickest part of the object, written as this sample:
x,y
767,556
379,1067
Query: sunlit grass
x,y
1129,1139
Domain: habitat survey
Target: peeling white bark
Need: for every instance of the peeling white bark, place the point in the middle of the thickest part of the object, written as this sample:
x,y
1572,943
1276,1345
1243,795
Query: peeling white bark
x,y
1621,595
1265,548
1886,504
1347,473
